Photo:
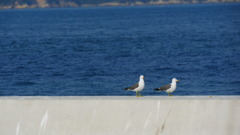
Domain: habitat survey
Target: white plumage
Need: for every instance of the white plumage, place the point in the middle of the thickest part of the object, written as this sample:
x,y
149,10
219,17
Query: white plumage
x,y
169,88
138,86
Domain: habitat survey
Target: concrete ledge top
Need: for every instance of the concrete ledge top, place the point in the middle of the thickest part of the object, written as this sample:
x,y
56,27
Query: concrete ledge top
x,y
119,115
119,98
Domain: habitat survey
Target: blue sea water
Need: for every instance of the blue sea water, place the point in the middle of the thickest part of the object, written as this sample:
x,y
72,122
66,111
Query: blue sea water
x,y
102,50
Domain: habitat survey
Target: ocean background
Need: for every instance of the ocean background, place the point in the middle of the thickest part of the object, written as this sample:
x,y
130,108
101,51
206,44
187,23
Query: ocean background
x,y
99,51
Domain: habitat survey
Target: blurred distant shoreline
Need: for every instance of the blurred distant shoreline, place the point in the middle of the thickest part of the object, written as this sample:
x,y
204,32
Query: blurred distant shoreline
x,y
23,4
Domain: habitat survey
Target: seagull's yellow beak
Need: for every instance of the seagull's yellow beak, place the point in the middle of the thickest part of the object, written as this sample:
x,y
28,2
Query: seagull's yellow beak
x,y
177,81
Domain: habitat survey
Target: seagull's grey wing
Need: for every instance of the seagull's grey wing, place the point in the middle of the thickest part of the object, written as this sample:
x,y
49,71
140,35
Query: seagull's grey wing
x,y
163,88
132,87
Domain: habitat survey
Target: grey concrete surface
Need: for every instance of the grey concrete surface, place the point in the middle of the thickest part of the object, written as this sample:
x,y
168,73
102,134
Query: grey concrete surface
x,y
116,115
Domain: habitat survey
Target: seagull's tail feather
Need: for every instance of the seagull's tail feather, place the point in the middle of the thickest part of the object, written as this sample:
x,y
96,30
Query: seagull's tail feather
x,y
126,89
157,89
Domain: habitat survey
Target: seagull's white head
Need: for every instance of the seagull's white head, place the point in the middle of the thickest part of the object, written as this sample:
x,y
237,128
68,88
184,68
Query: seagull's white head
x,y
141,77
175,80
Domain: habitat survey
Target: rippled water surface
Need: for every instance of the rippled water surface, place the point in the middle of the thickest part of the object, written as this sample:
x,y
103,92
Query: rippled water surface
x,y
100,51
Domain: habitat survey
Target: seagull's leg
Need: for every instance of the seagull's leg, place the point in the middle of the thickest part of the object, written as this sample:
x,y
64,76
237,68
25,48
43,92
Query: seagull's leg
x,y
138,94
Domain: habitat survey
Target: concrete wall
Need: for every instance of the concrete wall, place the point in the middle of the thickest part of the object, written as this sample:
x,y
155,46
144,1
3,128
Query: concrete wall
x,y
119,116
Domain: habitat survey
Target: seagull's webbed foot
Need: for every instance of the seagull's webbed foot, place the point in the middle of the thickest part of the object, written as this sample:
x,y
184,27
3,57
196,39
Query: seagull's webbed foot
x,y
138,94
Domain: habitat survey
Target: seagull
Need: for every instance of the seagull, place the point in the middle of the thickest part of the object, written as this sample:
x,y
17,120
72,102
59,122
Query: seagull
x,y
137,87
169,88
